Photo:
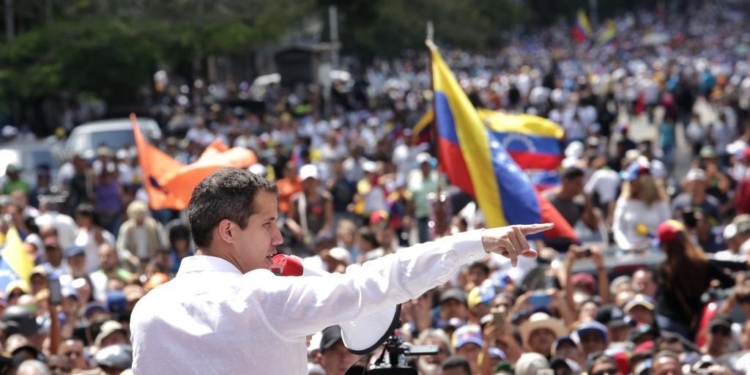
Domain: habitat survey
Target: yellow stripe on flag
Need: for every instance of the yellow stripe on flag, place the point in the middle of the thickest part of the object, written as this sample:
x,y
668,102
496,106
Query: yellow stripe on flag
x,y
16,256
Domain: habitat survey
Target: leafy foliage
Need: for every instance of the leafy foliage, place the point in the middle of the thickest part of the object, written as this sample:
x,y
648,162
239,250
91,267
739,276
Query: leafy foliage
x,y
387,27
113,51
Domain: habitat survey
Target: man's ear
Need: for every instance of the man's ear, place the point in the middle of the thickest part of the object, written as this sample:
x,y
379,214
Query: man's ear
x,y
227,231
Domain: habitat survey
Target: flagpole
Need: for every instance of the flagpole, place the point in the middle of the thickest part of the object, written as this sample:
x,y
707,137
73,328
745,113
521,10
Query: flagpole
x,y
439,206
433,128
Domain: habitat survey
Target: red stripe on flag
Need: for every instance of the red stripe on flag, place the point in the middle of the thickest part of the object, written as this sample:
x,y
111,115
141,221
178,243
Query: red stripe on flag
x,y
453,164
578,34
531,160
550,214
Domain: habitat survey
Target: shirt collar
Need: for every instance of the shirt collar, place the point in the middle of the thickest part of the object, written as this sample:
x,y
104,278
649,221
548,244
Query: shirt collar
x,y
206,263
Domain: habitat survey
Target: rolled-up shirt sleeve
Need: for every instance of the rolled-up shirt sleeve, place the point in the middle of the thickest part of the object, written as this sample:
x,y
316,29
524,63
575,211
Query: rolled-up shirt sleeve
x,y
298,306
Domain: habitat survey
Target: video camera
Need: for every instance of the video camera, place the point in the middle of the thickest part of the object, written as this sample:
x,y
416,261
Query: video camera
x,y
393,359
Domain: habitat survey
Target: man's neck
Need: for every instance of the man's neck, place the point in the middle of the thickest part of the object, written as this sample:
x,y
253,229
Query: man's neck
x,y
715,352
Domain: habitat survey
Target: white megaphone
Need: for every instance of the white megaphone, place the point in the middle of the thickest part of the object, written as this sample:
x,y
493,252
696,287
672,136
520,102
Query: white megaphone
x,y
360,336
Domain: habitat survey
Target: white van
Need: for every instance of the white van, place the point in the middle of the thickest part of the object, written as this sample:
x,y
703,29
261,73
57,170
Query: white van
x,y
115,134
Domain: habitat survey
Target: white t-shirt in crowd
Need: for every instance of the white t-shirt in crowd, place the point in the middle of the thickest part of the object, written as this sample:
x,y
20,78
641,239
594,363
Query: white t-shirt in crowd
x,y
65,225
604,182
635,224
86,240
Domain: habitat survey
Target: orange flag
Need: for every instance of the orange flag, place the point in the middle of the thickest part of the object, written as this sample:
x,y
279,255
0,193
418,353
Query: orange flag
x,y
170,184
214,157
157,168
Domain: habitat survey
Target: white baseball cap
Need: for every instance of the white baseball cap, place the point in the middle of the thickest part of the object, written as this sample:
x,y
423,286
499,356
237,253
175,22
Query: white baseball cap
x,y
258,169
309,171
423,157
695,174
730,231
370,166
341,254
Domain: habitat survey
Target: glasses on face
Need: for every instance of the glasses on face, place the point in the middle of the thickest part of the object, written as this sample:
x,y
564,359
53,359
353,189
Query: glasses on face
x,y
15,294
606,371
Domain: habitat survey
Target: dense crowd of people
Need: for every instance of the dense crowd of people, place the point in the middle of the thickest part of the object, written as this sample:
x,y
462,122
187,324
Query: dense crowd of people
x,y
355,184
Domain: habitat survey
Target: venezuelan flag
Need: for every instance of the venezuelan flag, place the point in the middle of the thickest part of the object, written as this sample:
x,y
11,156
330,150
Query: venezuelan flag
x,y
16,263
582,28
544,180
422,130
608,34
169,183
476,161
532,141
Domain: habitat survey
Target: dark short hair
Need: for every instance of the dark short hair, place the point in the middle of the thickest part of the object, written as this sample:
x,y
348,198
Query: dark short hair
x,y
456,361
368,235
88,210
482,266
228,193
572,173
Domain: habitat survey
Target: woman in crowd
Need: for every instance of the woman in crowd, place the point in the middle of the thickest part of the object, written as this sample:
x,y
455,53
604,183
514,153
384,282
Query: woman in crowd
x,y
642,206
684,276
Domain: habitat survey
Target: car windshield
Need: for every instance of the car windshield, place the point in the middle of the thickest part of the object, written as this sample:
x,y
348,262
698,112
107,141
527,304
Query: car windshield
x,y
115,139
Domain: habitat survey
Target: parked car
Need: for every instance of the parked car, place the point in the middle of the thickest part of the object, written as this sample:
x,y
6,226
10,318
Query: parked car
x,y
28,156
115,134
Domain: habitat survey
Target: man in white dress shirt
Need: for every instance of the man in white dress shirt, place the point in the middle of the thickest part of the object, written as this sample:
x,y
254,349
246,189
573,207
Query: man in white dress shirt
x,y
226,313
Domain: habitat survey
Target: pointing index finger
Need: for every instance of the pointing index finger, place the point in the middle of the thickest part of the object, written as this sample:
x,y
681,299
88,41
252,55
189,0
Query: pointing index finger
x,y
535,228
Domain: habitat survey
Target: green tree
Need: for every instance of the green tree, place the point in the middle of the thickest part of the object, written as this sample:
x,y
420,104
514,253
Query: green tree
x,y
388,27
112,48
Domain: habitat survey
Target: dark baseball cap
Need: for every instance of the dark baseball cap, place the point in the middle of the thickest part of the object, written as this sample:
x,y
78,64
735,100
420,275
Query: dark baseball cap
x,y
331,336
20,320
613,317
723,321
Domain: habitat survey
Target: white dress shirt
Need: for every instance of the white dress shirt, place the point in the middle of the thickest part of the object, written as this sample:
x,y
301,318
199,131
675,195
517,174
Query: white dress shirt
x,y
212,319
